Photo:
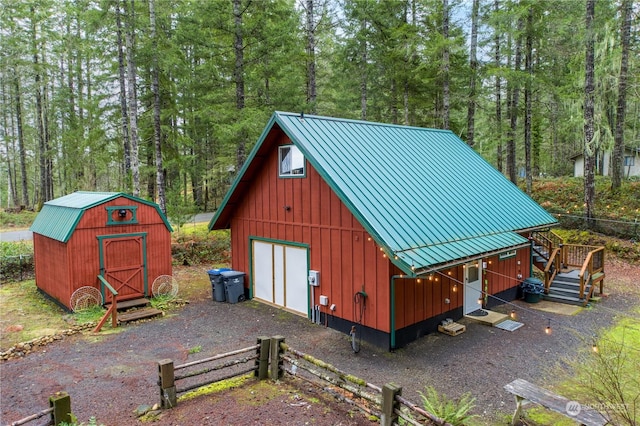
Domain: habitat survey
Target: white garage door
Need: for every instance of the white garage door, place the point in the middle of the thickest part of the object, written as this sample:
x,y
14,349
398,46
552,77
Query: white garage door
x,y
280,275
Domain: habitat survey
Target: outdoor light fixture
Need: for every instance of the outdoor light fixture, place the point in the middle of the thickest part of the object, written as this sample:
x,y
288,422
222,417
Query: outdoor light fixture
x,y
479,300
548,329
455,288
513,314
122,213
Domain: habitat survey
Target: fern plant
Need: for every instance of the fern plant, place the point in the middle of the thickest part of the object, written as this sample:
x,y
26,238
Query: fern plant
x,y
452,411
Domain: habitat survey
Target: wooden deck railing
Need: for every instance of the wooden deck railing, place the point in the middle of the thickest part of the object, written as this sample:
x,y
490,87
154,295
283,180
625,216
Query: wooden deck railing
x,y
574,254
559,256
551,269
592,266
113,309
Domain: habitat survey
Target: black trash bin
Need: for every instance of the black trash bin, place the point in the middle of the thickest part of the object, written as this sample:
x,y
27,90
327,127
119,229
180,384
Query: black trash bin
x,y
532,289
217,284
233,286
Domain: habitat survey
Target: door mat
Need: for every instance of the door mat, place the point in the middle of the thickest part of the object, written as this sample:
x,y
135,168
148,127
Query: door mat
x,y
509,325
478,313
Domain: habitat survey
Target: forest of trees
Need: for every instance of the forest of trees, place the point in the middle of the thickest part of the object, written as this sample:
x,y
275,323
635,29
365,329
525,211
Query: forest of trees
x,y
164,99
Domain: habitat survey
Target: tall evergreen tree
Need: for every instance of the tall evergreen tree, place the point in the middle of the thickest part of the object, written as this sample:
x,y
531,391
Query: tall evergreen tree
x,y
617,171
589,126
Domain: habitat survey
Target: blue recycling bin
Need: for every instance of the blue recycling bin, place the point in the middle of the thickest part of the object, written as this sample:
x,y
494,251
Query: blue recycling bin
x,y
217,284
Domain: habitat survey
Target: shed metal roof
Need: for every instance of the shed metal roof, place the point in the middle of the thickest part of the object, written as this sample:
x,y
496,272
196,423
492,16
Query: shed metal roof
x,y
59,217
424,195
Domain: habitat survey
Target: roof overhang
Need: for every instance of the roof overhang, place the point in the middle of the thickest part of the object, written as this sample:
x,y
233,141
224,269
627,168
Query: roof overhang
x,y
426,259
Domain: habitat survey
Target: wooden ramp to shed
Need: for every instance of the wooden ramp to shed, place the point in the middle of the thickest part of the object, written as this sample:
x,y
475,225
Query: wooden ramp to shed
x,y
135,309
525,391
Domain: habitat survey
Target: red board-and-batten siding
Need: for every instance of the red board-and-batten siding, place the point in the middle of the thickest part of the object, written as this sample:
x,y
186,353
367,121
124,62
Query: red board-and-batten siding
x,y
339,247
61,268
416,301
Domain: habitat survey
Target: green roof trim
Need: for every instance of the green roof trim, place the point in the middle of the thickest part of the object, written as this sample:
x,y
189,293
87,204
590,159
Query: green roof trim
x,y
60,217
423,195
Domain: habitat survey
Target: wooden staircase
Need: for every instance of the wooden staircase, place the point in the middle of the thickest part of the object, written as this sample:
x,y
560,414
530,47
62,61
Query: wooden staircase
x,y
135,309
572,272
565,288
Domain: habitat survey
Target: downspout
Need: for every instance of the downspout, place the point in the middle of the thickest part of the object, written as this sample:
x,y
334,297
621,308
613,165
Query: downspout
x,y
530,257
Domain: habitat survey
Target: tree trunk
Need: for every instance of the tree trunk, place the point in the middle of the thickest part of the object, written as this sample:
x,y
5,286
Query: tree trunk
x,y
473,64
238,73
363,70
528,64
311,57
589,145
9,146
617,170
21,147
445,65
126,144
155,88
513,113
42,148
496,42
132,97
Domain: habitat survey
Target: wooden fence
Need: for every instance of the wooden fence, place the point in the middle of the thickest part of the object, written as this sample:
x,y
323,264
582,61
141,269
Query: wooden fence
x,y
59,411
274,358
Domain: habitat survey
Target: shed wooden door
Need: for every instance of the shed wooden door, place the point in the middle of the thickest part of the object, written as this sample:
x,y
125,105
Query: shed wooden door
x,y
123,264
280,275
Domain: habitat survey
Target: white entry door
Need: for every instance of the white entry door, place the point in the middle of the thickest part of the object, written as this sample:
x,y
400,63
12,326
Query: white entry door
x,y
472,287
280,275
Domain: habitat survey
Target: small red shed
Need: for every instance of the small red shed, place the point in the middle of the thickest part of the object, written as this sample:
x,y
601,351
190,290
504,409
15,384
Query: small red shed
x,y
125,239
388,228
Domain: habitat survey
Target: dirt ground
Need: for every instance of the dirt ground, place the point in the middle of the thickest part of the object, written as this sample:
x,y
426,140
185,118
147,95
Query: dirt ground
x,y
109,375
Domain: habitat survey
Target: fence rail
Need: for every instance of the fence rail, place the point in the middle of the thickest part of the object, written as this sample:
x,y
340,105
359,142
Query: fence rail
x,y
167,376
613,227
274,358
59,411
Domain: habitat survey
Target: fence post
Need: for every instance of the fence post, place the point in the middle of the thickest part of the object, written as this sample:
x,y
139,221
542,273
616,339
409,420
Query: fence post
x,y
61,404
166,380
262,362
389,404
276,359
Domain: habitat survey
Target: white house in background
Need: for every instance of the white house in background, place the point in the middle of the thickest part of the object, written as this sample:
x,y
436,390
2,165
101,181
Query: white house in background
x,y
631,163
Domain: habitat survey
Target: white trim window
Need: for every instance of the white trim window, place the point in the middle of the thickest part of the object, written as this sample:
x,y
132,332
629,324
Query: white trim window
x,y
290,161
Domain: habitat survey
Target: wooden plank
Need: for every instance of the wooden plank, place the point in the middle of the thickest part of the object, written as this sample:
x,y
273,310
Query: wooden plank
x,y
523,389
452,329
139,314
131,303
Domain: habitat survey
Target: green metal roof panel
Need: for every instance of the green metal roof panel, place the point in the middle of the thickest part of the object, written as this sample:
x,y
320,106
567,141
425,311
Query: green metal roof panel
x,y
56,222
83,199
423,257
413,188
59,217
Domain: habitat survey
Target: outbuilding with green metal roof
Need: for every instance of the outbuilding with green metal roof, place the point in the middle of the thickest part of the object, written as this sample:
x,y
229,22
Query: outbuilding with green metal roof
x,y
394,227
124,239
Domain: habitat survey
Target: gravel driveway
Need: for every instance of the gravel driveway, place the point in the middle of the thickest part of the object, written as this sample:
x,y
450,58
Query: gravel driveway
x,y
109,375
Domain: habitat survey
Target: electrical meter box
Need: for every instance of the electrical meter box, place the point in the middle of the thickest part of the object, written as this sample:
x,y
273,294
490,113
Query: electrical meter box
x,y
314,278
